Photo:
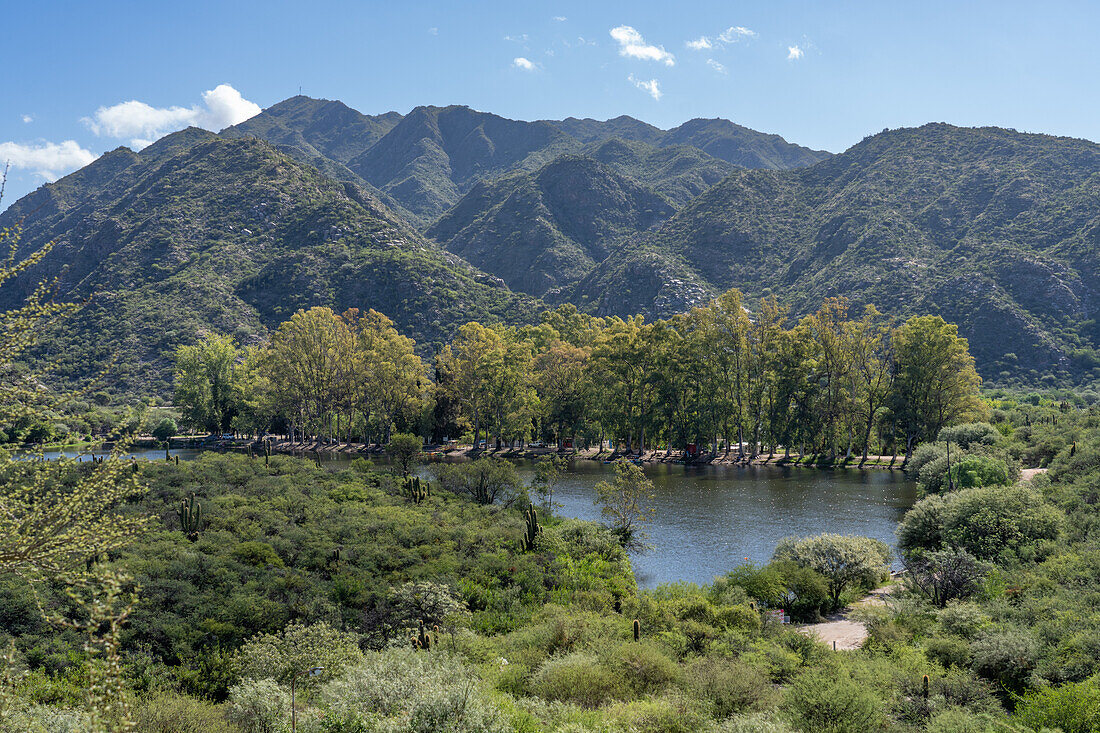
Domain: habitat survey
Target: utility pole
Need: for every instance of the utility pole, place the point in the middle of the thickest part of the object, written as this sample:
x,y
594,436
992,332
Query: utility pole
x,y
313,672
950,481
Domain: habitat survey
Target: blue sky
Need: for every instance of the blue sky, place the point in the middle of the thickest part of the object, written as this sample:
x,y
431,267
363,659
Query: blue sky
x,y
820,73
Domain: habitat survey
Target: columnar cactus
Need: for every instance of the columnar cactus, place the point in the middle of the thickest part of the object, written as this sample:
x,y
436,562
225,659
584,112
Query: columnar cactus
x,y
637,630
531,532
416,490
423,639
190,514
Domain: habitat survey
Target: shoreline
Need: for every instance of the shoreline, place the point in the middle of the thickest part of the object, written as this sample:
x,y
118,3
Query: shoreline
x,y
816,461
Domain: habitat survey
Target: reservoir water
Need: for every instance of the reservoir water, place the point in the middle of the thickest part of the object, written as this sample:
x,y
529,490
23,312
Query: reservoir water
x,y
710,519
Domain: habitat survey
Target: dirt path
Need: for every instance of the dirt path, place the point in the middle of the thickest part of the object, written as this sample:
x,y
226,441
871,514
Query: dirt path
x,y
1027,474
846,632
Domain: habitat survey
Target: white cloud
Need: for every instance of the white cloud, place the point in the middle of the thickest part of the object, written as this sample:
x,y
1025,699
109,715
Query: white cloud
x,y
651,87
794,53
632,44
521,63
47,159
560,18
521,38
28,119
720,68
735,33
222,106
433,31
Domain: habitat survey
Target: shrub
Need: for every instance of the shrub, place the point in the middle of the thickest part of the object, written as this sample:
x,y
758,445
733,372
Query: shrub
x,y
944,575
296,649
165,429
806,591
922,526
754,723
662,715
420,692
259,706
923,455
778,663
1071,708
948,651
932,477
727,687
820,703
431,603
259,554
990,522
959,720
578,678
47,719
642,666
1006,657
486,480
968,434
170,713
963,618
844,560
765,584
972,471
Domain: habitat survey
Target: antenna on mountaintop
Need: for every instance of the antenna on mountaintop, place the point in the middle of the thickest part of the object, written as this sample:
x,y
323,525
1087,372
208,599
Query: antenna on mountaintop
x,y
299,90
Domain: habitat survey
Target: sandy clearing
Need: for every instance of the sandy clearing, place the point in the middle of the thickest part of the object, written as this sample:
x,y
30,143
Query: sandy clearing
x,y
846,632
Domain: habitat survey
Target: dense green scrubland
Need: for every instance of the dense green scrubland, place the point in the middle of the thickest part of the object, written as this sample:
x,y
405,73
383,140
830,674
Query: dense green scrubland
x,y
297,565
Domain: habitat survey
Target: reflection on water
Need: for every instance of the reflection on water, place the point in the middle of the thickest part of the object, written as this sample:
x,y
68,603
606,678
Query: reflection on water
x,y
710,519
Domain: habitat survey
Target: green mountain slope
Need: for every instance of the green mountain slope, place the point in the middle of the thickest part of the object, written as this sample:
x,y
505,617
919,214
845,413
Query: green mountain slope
x,y
679,173
319,126
421,164
199,232
718,138
543,230
435,154
997,230
322,133
741,146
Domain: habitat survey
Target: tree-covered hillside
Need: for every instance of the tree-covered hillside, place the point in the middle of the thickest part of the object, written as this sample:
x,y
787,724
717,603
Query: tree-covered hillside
x,y
719,138
200,233
542,230
422,163
993,229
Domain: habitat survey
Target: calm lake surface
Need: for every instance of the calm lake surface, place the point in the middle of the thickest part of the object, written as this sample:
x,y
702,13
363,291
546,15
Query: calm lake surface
x,y
710,519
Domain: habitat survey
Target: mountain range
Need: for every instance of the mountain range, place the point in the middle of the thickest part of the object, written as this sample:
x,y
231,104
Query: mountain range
x,y
447,214
996,230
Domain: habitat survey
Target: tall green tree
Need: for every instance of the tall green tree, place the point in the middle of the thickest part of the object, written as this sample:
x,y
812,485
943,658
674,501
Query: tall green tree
x,y
207,391
935,384
561,380
626,503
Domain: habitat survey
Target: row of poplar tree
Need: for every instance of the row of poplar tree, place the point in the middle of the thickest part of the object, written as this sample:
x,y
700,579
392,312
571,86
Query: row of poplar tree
x,y
722,377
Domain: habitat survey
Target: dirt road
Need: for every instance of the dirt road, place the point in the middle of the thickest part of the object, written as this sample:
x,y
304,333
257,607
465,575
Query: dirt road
x,y
848,633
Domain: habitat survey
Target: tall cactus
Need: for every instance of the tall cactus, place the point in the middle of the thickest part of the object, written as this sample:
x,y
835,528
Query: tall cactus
x,y
531,532
423,639
190,514
416,490
637,630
